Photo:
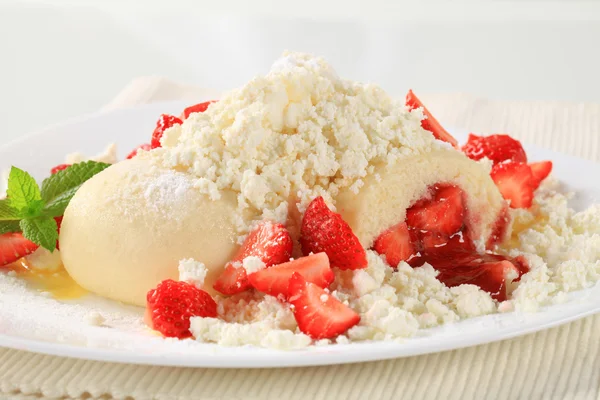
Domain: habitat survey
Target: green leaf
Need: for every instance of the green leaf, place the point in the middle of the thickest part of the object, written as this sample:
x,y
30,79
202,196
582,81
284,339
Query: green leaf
x,y
42,231
9,226
7,212
23,192
59,189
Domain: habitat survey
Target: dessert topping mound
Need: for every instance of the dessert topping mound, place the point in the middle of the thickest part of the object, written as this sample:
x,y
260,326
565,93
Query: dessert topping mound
x,y
298,133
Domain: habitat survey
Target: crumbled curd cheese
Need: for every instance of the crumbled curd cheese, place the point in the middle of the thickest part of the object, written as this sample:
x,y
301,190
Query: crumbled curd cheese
x,y
561,246
297,133
253,264
192,271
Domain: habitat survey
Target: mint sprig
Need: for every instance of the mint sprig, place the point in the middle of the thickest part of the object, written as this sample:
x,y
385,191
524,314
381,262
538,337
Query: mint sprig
x,y
31,210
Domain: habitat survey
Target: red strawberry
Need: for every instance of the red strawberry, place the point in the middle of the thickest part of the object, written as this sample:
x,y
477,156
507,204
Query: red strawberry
x,y
171,305
396,244
430,123
444,213
488,271
437,243
274,281
500,228
164,122
324,230
144,146
59,168
14,246
197,108
498,148
540,171
270,242
58,223
516,183
319,315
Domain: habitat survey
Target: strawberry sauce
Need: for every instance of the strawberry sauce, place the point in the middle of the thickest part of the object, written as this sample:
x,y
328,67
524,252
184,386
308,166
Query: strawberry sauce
x,y
435,232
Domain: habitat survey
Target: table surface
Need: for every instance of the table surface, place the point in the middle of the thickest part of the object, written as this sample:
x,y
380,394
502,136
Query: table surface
x,y
63,58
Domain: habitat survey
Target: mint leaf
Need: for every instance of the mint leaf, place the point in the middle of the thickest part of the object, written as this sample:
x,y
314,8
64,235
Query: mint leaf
x,y
42,231
7,212
9,226
23,192
59,189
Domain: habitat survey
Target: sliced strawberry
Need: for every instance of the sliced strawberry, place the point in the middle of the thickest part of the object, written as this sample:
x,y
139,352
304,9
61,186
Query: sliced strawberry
x,y
144,146
516,183
232,280
59,168
540,171
430,123
324,230
274,281
445,213
58,224
165,122
437,243
14,246
196,108
319,315
500,228
270,242
488,271
498,148
396,244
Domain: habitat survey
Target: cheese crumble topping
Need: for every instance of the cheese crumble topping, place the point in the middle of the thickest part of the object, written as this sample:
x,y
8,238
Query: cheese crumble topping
x,y
294,134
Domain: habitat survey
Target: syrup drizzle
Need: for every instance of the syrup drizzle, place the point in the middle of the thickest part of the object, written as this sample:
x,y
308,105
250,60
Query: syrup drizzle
x,y
58,283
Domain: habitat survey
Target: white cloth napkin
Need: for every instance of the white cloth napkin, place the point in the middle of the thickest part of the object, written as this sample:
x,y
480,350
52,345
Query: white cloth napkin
x,y
559,363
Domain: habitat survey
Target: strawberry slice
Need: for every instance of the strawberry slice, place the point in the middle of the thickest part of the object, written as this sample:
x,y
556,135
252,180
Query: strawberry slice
x,y
59,168
196,108
396,244
324,230
500,228
319,315
165,121
430,123
436,243
540,171
444,213
498,148
145,146
58,224
488,271
274,281
270,242
14,246
516,183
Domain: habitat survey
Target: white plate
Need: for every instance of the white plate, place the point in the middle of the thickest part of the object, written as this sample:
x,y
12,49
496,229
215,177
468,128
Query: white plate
x,y
41,325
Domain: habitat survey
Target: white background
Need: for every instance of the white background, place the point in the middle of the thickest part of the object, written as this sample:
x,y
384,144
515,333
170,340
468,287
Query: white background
x,y
60,59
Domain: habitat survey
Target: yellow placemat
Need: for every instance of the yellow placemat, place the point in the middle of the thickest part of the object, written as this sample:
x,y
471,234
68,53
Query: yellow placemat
x,y
559,363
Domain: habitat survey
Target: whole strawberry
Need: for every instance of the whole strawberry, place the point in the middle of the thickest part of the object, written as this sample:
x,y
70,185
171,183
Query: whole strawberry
x,y
164,122
170,306
325,230
498,148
